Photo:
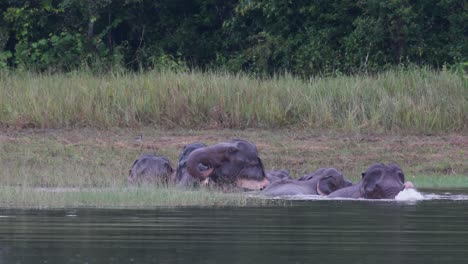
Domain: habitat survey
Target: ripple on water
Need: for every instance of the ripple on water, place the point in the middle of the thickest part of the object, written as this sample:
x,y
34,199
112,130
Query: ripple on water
x,y
453,197
407,195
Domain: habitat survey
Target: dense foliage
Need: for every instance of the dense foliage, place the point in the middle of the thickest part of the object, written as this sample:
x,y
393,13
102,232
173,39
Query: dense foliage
x,y
260,36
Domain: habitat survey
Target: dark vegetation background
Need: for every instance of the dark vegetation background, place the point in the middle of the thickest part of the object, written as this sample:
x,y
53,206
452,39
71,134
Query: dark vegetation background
x,y
261,36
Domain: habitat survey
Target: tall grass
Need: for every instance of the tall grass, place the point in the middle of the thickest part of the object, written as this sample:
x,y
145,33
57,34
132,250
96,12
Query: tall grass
x,y
418,100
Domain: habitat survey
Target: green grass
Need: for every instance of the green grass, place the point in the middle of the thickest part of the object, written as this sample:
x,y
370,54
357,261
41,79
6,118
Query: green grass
x,y
123,197
457,181
19,197
413,100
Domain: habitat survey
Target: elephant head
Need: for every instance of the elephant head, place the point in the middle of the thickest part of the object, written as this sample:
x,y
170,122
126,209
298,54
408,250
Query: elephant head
x,y
321,182
379,181
328,180
235,162
382,182
314,174
150,169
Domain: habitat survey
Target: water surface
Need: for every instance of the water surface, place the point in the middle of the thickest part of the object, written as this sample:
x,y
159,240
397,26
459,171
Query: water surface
x,y
319,231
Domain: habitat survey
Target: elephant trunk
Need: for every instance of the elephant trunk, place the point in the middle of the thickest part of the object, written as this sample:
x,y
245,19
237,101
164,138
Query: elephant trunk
x,y
209,156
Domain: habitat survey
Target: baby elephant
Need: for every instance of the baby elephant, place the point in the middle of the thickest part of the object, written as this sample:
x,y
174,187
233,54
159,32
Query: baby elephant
x,y
379,181
321,182
150,169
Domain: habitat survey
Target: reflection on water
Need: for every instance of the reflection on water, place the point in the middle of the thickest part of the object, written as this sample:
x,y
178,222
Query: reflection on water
x,y
325,231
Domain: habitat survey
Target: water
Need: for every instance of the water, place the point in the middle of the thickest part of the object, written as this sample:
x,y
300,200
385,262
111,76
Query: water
x,y
433,230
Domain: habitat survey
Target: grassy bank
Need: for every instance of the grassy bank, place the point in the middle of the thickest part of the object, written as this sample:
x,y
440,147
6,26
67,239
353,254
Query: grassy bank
x,y
20,197
96,162
123,197
150,197
88,158
415,100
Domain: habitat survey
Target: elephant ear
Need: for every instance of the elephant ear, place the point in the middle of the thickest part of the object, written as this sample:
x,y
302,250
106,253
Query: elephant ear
x,y
398,171
169,168
370,180
326,185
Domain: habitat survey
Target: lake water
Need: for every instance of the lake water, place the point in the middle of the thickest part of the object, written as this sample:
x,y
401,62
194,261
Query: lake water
x,y
434,230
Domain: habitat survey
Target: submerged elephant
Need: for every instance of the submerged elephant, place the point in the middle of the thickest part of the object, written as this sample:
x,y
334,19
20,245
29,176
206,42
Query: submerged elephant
x,y
320,172
321,182
233,163
150,169
276,175
181,177
380,181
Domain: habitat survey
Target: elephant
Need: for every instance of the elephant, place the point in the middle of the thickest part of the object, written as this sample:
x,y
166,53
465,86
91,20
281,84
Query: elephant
x,y
232,163
319,172
276,175
181,177
379,181
321,182
150,169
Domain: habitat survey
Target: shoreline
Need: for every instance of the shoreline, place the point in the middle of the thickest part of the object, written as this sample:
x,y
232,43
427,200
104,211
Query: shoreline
x,y
18,198
84,158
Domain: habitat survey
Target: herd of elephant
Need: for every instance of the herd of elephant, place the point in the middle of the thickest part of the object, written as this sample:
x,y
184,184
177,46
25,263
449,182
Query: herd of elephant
x,y
235,164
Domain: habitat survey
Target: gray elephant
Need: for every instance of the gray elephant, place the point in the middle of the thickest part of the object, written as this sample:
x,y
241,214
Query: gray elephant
x,y
181,177
379,181
150,169
276,175
321,182
233,163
